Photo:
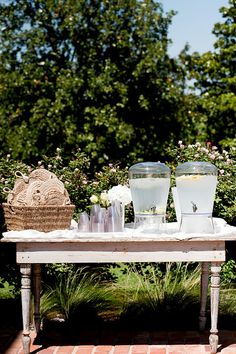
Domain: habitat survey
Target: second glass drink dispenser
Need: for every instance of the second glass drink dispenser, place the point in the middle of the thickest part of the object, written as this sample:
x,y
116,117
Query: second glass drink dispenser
x,y
149,185
196,186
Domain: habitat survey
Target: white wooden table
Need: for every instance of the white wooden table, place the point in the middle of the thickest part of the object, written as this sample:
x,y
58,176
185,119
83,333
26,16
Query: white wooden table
x,y
69,246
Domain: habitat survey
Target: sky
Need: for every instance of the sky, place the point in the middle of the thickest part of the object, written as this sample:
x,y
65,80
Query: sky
x,y
193,24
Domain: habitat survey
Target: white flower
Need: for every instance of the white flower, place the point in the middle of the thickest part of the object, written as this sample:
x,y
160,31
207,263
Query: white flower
x,y
120,193
203,149
94,199
104,198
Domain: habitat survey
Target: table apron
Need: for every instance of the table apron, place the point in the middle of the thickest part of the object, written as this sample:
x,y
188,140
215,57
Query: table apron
x,y
106,252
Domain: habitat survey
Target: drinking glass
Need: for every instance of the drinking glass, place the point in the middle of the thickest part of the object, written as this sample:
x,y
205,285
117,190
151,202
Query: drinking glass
x,y
97,218
84,222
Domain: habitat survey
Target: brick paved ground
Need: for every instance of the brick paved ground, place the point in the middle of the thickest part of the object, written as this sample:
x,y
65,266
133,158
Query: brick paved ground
x,y
118,342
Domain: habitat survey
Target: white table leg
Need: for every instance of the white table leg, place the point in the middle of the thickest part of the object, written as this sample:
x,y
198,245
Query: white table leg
x,y
25,270
37,289
215,292
203,296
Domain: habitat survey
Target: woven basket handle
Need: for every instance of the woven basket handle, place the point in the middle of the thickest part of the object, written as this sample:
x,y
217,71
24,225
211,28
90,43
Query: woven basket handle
x,y
19,174
10,194
7,190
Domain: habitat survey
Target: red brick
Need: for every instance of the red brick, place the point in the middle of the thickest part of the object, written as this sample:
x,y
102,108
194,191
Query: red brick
x,y
157,350
153,342
83,351
228,350
194,349
67,349
35,347
187,349
178,349
207,349
121,349
139,349
103,349
49,350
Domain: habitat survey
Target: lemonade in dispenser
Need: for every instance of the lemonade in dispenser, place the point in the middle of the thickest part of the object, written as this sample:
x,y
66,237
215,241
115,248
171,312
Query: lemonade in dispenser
x,y
149,185
196,186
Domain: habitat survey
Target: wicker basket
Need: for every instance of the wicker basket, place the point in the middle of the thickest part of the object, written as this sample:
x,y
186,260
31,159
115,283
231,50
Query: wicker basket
x,y
41,218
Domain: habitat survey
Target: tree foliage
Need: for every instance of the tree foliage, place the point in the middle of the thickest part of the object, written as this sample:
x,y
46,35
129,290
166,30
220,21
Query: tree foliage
x,y
88,74
96,75
214,74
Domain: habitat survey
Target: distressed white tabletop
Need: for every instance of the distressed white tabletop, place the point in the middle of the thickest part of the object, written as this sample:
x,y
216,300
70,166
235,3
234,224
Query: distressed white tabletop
x,y
223,232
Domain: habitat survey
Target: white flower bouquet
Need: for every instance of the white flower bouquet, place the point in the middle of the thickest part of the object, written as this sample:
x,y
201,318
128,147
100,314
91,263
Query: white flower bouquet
x,y
111,205
120,193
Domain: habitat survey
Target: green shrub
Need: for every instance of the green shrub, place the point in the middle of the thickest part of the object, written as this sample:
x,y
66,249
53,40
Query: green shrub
x,y
149,292
72,294
7,291
228,274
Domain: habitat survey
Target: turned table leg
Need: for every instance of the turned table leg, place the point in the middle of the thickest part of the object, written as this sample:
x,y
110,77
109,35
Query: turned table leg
x,y
36,290
203,297
215,290
25,270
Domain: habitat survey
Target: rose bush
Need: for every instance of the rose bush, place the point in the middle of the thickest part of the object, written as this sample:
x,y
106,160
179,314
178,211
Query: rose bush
x,y
85,188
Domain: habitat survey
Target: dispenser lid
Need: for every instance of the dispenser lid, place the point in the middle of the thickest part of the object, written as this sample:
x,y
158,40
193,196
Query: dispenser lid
x,y
149,168
196,167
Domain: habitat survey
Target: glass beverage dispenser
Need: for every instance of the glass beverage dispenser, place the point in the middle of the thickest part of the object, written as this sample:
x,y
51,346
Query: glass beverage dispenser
x,y
149,185
196,186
